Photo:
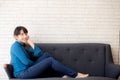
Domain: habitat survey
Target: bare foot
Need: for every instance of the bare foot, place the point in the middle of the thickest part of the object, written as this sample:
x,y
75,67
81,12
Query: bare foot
x,y
66,76
80,75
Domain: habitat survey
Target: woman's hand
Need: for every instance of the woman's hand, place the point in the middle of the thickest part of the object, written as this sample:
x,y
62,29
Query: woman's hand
x,y
27,39
30,42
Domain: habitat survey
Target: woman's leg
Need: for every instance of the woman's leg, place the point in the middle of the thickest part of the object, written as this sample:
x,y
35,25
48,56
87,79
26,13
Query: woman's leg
x,y
44,63
57,66
66,71
79,75
45,55
37,69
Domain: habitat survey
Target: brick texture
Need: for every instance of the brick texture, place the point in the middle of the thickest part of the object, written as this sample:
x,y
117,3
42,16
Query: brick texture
x,y
60,21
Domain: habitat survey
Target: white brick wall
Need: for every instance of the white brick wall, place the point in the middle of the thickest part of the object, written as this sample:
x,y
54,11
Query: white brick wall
x,y
60,21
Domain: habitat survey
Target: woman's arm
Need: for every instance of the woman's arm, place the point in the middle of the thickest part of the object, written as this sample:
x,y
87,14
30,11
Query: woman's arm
x,y
37,52
30,42
21,54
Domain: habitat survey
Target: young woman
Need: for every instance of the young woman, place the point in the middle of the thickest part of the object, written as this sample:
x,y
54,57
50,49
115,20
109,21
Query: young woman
x,y
25,67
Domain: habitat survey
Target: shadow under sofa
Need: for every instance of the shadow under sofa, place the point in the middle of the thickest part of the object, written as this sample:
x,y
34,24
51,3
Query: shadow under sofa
x,y
92,58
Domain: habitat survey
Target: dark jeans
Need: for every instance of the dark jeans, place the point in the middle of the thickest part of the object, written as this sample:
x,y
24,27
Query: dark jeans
x,y
43,63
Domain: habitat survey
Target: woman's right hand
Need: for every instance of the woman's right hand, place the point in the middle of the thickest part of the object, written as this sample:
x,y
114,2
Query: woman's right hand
x,y
30,42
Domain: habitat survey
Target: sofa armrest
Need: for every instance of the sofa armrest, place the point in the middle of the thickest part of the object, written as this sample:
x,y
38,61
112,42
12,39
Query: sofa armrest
x,y
9,70
112,70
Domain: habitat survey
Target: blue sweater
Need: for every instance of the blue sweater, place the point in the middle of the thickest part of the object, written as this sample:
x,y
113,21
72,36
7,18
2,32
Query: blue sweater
x,y
20,60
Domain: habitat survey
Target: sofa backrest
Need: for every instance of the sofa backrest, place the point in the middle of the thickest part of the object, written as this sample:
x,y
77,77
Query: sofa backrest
x,y
82,57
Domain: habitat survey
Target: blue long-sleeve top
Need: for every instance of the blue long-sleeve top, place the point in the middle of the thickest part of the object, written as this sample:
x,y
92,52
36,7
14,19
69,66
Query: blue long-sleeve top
x,y
20,59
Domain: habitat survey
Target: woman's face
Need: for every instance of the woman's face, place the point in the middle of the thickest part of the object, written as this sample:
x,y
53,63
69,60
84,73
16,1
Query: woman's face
x,y
22,37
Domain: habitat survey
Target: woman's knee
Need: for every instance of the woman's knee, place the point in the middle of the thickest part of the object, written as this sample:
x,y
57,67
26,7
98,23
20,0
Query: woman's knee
x,y
48,54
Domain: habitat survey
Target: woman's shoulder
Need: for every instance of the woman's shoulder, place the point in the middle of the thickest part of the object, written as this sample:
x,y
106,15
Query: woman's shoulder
x,y
16,44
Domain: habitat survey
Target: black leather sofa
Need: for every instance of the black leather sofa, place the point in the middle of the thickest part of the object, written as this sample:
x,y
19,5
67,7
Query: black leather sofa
x,y
92,58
